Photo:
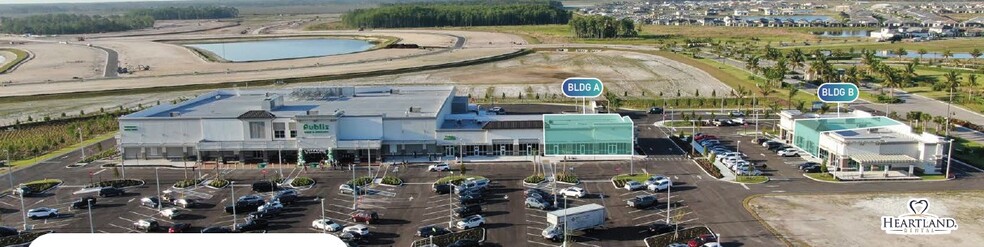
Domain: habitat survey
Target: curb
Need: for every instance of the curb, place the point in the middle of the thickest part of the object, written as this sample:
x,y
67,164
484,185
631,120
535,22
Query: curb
x,y
745,204
880,181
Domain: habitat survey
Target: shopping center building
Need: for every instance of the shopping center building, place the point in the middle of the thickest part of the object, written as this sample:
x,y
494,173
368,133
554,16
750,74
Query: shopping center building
x,y
349,123
858,141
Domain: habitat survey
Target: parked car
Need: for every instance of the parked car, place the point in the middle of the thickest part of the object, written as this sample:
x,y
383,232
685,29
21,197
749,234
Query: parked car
x,y
809,167
776,148
84,202
498,110
748,171
642,201
216,229
701,240
360,229
655,110
471,184
660,228
251,199
709,142
152,202
441,188
740,165
470,222
111,192
439,167
728,155
271,207
326,224
264,186
788,152
171,213
431,231
655,179
42,212
286,197
700,137
243,206
147,225
365,216
179,228
738,121
262,215
252,225
470,199
770,143
468,211
349,189
185,203
465,243
7,231
573,191
736,113
633,185
722,122
759,140
661,185
729,162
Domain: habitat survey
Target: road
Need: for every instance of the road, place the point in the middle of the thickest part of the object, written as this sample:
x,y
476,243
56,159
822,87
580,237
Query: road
x,y
112,62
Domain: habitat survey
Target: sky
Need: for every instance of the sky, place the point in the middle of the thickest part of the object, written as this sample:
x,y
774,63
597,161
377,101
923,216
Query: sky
x,y
72,1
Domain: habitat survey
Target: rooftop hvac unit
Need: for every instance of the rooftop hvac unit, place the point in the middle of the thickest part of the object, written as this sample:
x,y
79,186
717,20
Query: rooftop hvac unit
x,y
415,109
312,112
175,114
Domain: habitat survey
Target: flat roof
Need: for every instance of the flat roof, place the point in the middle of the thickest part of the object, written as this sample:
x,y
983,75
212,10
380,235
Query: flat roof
x,y
836,124
879,134
391,102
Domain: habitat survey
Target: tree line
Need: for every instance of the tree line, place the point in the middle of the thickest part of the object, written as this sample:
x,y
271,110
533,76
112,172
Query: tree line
x,y
188,13
459,14
602,27
136,19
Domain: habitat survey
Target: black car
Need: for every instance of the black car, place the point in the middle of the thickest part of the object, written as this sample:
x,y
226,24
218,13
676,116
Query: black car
x,y
84,202
252,225
27,191
264,186
660,228
468,211
809,167
642,201
465,243
775,147
470,199
429,231
261,215
111,192
286,197
442,188
655,110
7,231
216,229
243,207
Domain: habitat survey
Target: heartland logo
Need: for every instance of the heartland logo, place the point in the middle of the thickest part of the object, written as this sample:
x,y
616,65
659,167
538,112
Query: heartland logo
x,y
918,222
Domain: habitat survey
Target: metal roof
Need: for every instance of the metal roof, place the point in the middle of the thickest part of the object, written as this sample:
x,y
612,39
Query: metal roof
x,y
257,114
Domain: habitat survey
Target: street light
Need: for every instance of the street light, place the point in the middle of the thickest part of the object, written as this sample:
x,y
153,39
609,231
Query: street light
x,y
232,189
80,142
324,228
89,202
160,201
738,149
451,191
355,192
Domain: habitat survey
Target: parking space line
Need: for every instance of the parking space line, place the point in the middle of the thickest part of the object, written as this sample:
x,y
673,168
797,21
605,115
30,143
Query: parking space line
x,y
528,241
745,186
128,230
432,212
131,221
340,206
435,218
537,222
686,221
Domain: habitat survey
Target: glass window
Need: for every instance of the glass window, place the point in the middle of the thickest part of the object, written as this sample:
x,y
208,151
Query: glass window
x,y
293,129
279,130
257,130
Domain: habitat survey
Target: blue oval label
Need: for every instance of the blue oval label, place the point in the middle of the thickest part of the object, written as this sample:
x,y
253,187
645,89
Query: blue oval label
x,y
582,87
838,92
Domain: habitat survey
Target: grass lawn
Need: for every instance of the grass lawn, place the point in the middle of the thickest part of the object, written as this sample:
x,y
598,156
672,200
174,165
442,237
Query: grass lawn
x,y
735,77
49,180
822,176
678,123
933,177
21,55
65,150
969,152
751,179
638,177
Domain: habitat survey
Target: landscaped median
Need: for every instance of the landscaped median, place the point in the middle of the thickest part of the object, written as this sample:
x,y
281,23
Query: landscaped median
x,y
477,234
534,179
456,179
619,180
821,176
361,181
40,186
22,238
567,178
751,179
116,183
186,183
391,180
302,182
682,236
217,183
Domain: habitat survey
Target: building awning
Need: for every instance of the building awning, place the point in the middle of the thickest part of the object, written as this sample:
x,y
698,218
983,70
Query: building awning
x,y
257,114
884,159
246,145
358,144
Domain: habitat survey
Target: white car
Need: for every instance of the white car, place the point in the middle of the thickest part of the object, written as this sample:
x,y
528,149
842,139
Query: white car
x,y
357,229
470,222
439,167
633,185
738,121
275,206
577,192
737,114
729,162
171,213
326,224
655,179
749,172
724,156
741,165
661,185
788,152
42,212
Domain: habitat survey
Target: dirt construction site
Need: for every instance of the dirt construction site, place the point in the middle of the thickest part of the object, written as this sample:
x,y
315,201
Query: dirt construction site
x,y
855,219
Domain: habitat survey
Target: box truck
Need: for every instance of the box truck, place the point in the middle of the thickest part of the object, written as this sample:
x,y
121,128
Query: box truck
x,y
579,218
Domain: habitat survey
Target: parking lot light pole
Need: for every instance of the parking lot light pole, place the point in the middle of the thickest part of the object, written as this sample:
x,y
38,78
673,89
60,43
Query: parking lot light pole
x,y
668,203
160,201
565,221
81,142
23,210
355,192
324,228
450,217
738,149
89,202
232,189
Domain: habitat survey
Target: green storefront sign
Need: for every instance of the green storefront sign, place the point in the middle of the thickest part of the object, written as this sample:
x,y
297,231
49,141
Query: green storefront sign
x,y
130,128
318,128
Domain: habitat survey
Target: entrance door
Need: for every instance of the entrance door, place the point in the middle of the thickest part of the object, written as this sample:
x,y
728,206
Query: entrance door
x,y
449,151
612,148
580,149
502,150
477,150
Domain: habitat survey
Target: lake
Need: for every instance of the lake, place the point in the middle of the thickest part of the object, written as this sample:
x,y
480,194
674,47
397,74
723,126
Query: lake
x,y
934,55
275,49
844,34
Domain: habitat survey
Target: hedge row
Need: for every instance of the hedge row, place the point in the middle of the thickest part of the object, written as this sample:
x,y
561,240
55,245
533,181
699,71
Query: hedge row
x,y
532,179
564,177
218,183
477,234
116,183
42,185
301,181
709,168
392,180
187,183
100,155
361,181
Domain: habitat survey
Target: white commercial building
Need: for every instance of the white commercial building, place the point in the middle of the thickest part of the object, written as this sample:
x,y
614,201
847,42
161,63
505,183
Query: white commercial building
x,y
858,141
352,123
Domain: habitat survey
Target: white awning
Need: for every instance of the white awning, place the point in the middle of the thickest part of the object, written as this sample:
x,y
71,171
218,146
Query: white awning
x,y
884,159
358,144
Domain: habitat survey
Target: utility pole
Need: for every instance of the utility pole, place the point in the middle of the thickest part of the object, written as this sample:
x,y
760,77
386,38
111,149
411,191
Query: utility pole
x,y
355,189
232,189
280,159
668,203
949,158
160,201
565,221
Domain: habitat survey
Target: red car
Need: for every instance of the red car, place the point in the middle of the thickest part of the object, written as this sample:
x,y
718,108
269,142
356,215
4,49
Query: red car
x,y
702,137
701,240
365,216
179,228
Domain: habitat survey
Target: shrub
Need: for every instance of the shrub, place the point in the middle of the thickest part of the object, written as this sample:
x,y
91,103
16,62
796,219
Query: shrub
x,y
666,239
42,185
567,178
187,183
392,180
100,155
709,168
301,181
360,181
456,179
532,179
22,238
218,183
116,183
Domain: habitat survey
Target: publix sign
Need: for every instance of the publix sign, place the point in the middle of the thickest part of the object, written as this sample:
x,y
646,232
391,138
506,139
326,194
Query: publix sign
x,y
316,129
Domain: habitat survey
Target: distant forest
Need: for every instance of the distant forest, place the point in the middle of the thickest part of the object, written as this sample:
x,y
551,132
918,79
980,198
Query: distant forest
x,y
470,13
135,19
602,27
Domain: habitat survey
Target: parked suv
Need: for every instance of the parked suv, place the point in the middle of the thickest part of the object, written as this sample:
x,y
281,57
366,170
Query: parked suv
x,y
84,202
468,211
111,192
642,201
365,216
533,202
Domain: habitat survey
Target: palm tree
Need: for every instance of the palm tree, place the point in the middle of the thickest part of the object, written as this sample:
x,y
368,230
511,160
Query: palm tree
x,y
940,121
909,75
952,82
947,54
972,84
793,89
795,58
752,64
868,59
765,89
922,52
901,52
853,75
975,53
892,80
